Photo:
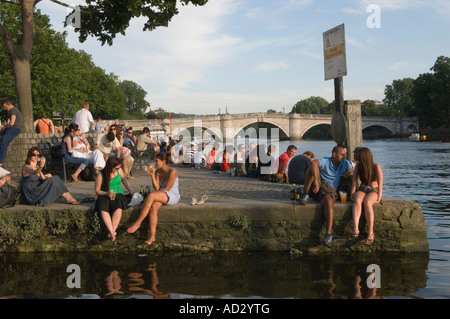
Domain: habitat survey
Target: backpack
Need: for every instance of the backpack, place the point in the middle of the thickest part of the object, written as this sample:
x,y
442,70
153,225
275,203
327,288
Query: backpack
x,y
8,195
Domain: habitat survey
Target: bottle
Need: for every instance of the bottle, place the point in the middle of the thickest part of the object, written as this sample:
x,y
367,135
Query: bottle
x,y
147,189
298,192
142,191
292,193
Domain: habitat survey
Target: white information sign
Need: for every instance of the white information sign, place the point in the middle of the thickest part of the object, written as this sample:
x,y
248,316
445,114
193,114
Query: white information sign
x,y
334,53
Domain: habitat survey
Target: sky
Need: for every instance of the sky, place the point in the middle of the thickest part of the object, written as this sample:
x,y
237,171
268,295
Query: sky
x,y
244,56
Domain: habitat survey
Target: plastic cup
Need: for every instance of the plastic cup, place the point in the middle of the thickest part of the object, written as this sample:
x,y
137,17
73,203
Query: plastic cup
x,y
343,196
113,195
150,169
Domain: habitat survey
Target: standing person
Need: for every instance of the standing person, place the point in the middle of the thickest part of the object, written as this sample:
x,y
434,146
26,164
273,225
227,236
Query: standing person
x,y
83,118
40,189
11,129
44,125
284,159
368,193
111,200
321,183
98,126
298,166
165,183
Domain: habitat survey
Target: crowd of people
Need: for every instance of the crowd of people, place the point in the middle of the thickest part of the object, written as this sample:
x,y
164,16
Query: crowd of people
x,y
112,159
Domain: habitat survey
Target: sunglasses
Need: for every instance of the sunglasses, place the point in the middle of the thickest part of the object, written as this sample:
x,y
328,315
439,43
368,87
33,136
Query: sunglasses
x,y
35,154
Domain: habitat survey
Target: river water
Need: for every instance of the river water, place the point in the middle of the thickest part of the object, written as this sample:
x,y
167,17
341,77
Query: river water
x,y
416,171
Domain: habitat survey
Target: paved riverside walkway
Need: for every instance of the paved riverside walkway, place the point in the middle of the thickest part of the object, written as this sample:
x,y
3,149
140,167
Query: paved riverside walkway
x,y
220,188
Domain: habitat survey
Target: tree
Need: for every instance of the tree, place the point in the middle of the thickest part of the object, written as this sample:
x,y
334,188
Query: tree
x,y
431,95
398,98
312,105
102,19
60,74
135,102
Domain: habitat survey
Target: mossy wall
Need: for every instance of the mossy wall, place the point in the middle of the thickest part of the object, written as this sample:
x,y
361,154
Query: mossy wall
x,y
399,227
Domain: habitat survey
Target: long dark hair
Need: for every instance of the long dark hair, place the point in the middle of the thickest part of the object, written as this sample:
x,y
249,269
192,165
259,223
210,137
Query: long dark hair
x,y
30,154
71,128
110,164
365,166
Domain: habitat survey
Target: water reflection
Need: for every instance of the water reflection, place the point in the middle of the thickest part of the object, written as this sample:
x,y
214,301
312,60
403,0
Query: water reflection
x,y
177,275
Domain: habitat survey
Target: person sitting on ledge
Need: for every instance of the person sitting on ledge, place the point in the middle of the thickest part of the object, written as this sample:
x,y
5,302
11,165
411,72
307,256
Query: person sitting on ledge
x,y
165,183
368,193
42,189
322,181
111,200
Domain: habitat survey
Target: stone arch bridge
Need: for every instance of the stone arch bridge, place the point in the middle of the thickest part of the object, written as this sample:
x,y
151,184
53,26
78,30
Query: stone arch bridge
x,y
291,126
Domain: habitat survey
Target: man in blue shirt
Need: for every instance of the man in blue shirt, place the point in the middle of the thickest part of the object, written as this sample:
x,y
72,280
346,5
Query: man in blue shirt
x,y
321,183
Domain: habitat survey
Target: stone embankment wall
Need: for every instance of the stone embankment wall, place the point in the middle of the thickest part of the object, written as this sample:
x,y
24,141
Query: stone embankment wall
x,y
286,226
18,149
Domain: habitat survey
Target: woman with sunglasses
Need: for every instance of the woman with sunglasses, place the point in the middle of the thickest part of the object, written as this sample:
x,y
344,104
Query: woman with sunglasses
x,y
39,188
111,199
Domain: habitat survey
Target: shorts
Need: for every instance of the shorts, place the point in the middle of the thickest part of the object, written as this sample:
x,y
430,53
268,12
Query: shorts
x,y
325,189
173,196
367,189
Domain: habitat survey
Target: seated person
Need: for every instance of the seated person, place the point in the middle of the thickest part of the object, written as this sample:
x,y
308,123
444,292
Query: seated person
x,y
322,181
67,150
144,142
39,189
284,159
5,176
108,145
298,166
111,200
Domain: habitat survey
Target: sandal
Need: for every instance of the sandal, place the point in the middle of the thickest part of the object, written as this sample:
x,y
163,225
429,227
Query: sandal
x,y
74,202
203,200
194,201
370,238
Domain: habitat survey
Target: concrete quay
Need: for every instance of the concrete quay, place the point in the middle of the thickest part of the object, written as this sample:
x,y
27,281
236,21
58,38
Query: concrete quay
x,y
240,214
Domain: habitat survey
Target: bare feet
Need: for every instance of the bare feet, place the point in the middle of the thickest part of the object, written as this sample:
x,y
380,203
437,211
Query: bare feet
x,y
150,241
112,237
73,202
133,228
75,178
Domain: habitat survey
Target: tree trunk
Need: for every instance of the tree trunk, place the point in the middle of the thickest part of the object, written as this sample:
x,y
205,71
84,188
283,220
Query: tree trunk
x,y
20,55
22,74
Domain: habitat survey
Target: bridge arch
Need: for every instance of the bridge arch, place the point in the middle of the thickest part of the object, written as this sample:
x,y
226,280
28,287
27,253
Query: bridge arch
x,y
377,131
312,125
241,127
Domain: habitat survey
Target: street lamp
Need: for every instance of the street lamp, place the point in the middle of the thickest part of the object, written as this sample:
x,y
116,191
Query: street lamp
x,y
70,108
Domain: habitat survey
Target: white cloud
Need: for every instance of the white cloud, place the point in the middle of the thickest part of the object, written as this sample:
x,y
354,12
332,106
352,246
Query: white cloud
x,y
271,66
398,65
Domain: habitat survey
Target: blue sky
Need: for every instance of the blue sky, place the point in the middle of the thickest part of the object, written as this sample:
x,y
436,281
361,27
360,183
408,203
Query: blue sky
x,y
255,55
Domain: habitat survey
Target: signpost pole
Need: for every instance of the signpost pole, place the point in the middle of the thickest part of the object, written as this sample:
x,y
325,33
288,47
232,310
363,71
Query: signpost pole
x,y
339,94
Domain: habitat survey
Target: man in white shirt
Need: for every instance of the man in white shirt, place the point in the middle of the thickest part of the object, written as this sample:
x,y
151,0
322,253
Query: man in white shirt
x,y
108,145
83,118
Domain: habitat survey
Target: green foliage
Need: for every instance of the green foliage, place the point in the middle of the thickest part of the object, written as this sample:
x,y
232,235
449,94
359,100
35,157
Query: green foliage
x,y
431,95
69,224
313,105
398,98
104,19
60,74
239,222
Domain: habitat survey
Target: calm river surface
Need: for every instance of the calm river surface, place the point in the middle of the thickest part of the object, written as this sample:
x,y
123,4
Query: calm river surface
x,y
416,171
